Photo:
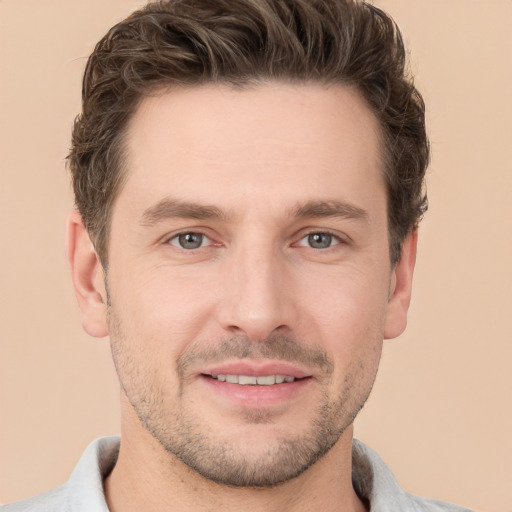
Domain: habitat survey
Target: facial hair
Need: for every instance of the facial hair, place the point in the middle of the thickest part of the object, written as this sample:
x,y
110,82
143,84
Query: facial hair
x,y
215,455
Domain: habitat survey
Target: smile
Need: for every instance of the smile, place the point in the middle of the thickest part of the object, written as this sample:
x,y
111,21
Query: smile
x,y
251,380
255,386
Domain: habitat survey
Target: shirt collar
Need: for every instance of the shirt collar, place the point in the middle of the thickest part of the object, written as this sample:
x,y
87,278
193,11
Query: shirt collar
x,y
372,479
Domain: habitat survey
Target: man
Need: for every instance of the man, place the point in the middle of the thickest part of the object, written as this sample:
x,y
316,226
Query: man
x,y
248,179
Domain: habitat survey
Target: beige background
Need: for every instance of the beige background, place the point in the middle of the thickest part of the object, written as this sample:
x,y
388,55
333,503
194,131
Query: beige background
x,y
441,411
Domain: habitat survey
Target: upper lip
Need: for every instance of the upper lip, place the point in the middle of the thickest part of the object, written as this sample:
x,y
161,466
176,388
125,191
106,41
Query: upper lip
x,y
256,369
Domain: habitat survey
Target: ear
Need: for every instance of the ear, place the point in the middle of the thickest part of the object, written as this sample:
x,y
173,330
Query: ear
x,y
400,288
87,276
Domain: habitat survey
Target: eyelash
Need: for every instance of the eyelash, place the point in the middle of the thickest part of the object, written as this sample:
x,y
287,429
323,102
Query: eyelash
x,y
177,236
333,238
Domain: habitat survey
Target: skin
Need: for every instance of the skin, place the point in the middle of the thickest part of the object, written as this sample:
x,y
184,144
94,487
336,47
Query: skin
x,y
261,170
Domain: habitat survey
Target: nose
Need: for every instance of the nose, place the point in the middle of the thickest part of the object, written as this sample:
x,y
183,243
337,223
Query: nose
x,y
257,294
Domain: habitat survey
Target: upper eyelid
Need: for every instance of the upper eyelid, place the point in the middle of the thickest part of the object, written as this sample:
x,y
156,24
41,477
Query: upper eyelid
x,y
342,237
174,234
195,232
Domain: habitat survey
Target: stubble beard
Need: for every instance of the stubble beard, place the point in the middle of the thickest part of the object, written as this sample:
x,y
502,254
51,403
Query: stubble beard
x,y
183,435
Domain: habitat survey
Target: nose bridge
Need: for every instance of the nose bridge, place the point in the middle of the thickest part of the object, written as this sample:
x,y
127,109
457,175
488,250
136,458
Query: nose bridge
x,y
256,301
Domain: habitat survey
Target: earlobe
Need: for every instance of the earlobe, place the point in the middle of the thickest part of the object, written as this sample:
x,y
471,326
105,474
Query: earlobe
x,y
87,276
400,288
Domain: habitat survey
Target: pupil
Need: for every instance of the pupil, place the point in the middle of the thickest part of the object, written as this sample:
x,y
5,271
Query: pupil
x,y
320,240
191,240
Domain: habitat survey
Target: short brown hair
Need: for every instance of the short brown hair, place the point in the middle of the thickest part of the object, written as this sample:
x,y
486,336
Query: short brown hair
x,y
192,42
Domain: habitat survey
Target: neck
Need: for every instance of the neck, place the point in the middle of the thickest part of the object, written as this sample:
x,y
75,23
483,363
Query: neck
x,y
146,477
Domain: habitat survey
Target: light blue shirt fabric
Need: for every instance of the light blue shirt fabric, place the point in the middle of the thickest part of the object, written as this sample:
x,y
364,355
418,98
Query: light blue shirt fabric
x,y
83,492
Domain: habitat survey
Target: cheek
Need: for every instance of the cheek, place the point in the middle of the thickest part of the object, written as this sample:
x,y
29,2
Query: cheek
x,y
347,307
162,309
348,320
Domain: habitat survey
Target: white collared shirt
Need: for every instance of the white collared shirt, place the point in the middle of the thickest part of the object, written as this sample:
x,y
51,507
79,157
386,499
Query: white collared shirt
x,y
83,492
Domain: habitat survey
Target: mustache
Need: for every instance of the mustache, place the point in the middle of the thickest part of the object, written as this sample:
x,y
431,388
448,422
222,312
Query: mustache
x,y
277,347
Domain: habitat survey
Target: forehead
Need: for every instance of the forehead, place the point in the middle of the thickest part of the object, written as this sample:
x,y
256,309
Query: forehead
x,y
271,142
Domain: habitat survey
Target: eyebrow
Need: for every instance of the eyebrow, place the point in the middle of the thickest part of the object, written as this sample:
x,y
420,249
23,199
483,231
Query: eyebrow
x,y
169,208
320,209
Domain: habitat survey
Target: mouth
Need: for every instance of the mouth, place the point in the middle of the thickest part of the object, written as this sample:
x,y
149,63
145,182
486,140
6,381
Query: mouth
x,y
252,380
256,384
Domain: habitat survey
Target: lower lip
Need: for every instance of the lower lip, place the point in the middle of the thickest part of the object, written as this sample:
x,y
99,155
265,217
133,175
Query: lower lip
x,y
256,396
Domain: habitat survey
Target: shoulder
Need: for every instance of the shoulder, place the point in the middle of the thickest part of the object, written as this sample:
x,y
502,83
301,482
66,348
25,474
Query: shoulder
x,y
419,504
375,483
84,489
54,501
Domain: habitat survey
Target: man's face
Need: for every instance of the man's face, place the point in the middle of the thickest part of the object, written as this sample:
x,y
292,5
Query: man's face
x,y
249,274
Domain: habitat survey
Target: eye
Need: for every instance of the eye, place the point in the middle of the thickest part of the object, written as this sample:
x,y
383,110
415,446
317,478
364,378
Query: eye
x,y
189,241
319,240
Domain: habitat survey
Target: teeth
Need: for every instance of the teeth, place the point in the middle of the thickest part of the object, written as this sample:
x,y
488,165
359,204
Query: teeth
x,y
246,380
243,379
267,381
